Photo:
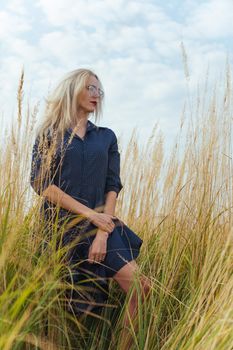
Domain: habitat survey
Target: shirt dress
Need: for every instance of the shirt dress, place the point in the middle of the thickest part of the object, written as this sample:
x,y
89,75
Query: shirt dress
x,y
87,169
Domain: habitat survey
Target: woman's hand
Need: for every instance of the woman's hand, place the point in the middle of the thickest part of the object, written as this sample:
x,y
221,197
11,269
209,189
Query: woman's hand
x,y
102,221
98,248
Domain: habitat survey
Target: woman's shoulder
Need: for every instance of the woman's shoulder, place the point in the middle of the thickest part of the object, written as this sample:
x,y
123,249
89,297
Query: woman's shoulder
x,y
107,130
108,134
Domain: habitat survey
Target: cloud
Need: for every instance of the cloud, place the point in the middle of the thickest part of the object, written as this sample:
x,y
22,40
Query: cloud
x,y
81,13
211,20
11,24
17,6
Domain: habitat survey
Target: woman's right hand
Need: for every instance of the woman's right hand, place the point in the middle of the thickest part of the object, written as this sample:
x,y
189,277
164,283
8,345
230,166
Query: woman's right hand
x,y
103,221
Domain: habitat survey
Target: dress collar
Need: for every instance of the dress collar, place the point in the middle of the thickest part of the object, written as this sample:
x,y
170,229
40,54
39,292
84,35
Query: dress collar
x,y
90,126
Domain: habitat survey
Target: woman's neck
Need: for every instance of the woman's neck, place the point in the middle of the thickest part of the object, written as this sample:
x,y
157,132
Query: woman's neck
x,y
81,117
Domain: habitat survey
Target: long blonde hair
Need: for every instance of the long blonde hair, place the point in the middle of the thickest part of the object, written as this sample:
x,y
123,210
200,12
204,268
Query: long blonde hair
x,y
61,106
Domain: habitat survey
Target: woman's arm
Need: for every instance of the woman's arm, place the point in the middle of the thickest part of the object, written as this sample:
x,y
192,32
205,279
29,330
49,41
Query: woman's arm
x,y
109,208
57,196
113,182
98,249
110,202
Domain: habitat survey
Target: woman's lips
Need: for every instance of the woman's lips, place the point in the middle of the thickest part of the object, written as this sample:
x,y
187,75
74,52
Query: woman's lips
x,y
94,103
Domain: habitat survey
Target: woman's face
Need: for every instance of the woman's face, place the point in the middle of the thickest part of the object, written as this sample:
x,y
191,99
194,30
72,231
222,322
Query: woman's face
x,y
87,100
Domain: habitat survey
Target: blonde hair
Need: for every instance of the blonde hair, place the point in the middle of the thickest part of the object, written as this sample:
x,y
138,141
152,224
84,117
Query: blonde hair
x,y
61,106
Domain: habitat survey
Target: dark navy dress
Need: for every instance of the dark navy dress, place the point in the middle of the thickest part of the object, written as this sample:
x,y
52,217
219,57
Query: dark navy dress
x,y
87,170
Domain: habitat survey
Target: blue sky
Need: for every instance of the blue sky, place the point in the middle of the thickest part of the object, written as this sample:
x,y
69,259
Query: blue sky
x,y
134,47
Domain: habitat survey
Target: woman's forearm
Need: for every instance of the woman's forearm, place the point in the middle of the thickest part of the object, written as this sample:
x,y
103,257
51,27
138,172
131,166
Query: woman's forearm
x,y
110,203
109,208
55,195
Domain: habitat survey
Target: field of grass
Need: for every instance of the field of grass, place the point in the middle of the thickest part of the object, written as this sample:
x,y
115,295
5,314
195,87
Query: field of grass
x,y
180,205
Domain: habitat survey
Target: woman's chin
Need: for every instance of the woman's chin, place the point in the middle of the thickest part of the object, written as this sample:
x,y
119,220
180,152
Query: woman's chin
x,y
89,109
92,110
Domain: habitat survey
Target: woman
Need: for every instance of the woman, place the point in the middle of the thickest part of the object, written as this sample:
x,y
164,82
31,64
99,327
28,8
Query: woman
x,y
76,168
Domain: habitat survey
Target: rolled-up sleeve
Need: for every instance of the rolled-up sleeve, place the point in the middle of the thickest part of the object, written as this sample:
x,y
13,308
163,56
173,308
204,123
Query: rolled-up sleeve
x,y
113,180
42,166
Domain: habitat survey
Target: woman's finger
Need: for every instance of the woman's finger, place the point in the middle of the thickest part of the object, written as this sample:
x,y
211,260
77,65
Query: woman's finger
x,y
99,258
90,256
107,228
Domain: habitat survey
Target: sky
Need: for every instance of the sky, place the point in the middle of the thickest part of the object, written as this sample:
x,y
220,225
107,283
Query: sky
x,y
136,47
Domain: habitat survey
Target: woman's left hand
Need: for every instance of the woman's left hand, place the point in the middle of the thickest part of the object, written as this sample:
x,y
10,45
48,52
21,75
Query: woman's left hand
x,y
98,248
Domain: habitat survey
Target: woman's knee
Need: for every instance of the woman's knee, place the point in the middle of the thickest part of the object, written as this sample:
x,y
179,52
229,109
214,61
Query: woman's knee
x,y
126,275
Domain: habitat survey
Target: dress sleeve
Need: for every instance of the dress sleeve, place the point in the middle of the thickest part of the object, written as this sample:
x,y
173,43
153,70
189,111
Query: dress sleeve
x,y
43,165
113,181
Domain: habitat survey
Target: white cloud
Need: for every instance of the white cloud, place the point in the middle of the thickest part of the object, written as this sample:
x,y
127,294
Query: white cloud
x,y
211,20
11,24
24,51
17,6
81,13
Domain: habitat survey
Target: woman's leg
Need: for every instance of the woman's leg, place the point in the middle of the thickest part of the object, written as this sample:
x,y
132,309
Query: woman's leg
x,y
125,278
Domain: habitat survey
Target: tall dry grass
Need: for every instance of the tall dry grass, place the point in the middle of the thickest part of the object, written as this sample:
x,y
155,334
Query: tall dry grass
x,y
181,205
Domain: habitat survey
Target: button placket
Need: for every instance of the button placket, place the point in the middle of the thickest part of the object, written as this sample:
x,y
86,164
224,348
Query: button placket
x,y
84,160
